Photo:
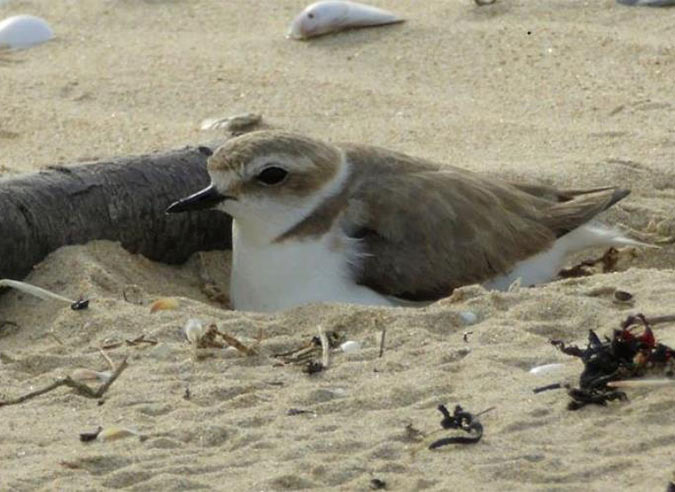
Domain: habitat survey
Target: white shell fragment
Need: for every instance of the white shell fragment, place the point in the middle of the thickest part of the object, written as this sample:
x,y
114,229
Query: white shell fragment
x,y
23,31
114,433
331,16
232,123
193,330
350,347
546,368
90,376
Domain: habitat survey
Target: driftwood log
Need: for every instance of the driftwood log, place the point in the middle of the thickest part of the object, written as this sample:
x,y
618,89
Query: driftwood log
x,y
121,200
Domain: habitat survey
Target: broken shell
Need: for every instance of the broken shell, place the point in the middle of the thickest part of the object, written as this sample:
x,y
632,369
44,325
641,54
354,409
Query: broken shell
x,y
89,375
114,433
623,297
547,368
350,347
232,123
193,330
330,16
163,304
24,31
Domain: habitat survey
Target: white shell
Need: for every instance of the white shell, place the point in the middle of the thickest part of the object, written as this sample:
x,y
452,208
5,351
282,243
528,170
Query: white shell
x,y
468,317
23,31
330,16
350,346
193,330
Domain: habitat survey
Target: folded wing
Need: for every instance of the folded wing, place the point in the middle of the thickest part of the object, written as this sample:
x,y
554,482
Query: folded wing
x,y
425,232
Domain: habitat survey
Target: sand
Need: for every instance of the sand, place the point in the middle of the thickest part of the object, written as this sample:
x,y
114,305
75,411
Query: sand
x,y
564,92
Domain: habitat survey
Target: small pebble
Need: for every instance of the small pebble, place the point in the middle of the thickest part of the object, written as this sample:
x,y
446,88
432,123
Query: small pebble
x,y
623,297
468,317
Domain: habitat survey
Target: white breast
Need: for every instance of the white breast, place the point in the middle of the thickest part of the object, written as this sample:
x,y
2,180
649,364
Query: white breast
x,y
276,276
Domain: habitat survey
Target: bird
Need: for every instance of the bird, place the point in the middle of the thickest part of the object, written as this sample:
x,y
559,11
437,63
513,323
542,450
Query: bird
x,y
320,222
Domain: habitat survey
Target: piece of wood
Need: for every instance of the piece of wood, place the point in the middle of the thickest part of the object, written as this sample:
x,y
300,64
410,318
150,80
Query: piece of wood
x,y
120,200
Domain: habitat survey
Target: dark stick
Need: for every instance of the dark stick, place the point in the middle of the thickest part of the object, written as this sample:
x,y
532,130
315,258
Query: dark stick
x,y
99,393
121,200
21,399
547,387
384,334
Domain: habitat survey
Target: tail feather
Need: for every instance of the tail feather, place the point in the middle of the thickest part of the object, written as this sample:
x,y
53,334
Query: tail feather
x,y
565,217
618,195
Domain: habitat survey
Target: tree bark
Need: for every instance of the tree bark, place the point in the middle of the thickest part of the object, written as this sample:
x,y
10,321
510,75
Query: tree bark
x,y
121,200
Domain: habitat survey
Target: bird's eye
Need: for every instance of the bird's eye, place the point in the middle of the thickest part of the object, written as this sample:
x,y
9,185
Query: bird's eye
x,y
271,175
310,15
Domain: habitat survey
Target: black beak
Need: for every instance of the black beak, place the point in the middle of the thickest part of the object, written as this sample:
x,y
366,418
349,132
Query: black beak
x,y
203,199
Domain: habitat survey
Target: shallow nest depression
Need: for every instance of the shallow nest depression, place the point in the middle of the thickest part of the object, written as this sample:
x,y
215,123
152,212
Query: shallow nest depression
x,y
223,416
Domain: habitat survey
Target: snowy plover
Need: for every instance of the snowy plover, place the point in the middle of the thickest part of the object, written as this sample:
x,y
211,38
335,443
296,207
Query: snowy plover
x,y
359,224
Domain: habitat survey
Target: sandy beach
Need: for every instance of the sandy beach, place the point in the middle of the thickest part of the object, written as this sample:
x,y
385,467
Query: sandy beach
x,y
570,93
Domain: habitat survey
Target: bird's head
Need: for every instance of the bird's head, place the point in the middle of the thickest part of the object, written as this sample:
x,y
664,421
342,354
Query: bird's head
x,y
268,178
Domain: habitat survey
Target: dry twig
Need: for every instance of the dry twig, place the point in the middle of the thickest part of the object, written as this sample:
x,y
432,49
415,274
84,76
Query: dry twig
x,y
382,337
80,388
233,342
325,348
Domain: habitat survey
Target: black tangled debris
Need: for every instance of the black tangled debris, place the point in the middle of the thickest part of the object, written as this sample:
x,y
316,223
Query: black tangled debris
x,y
624,356
80,304
460,419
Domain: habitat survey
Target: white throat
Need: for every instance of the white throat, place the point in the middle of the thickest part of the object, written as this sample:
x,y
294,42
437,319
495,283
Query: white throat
x,y
271,276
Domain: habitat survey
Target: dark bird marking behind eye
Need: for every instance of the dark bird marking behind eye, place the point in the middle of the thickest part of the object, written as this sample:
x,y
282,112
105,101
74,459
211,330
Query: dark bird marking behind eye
x,y
271,175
